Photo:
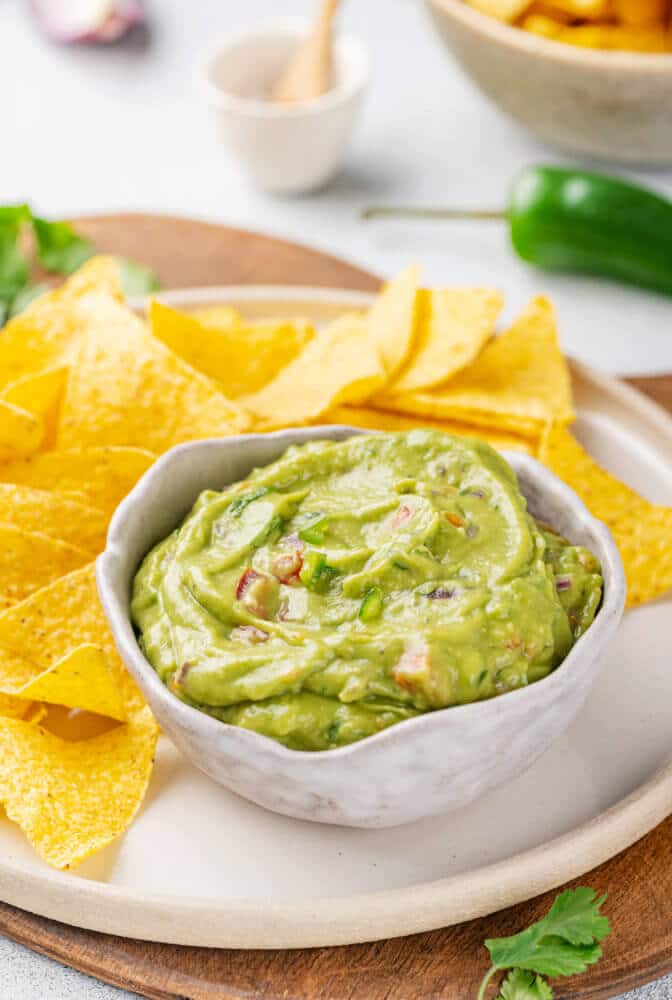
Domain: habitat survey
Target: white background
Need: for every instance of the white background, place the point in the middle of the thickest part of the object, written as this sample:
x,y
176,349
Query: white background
x,y
89,131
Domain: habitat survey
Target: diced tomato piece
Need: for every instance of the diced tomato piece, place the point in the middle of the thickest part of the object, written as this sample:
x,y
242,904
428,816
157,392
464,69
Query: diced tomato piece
x,y
245,582
287,566
412,666
258,592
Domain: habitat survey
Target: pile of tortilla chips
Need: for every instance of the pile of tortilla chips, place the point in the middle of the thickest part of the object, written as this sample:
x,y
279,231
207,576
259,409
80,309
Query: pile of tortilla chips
x,y
612,25
90,395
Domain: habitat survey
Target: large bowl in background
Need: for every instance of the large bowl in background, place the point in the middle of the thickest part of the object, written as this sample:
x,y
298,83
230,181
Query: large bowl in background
x,y
435,763
611,105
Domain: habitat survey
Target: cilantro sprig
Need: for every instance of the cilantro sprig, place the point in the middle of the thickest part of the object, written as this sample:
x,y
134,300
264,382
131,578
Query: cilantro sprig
x,y
60,250
563,943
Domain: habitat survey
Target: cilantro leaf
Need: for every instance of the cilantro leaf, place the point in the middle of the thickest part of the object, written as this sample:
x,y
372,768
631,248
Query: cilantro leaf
x,y
13,266
563,943
59,248
136,279
575,916
550,956
521,985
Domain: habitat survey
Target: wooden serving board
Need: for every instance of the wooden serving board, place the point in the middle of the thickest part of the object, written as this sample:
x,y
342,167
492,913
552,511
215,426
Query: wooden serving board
x,y
446,964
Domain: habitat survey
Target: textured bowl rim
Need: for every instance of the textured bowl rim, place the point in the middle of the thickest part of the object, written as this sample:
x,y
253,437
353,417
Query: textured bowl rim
x,y
120,623
634,63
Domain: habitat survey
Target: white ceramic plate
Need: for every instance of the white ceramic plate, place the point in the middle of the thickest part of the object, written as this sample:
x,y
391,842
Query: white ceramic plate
x,y
200,866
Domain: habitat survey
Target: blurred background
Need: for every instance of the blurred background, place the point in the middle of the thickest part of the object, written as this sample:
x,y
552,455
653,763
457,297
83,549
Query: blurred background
x,y
91,129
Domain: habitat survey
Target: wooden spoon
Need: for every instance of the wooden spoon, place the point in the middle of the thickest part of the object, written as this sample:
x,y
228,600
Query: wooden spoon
x,y
308,74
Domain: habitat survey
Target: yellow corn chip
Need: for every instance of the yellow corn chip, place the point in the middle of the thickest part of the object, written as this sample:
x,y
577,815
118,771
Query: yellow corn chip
x,y
565,11
16,708
21,432
55,620
391,320
221,316
613,37
29,561
542,25
642,530
81,679
518,383
453,324
46,513
126,388
241,358
381,420
638,13
73,798
503,10
340,365
39,394
99,477
45,334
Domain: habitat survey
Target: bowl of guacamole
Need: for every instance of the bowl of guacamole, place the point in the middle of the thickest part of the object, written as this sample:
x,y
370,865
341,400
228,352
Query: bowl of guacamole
x,y
301,606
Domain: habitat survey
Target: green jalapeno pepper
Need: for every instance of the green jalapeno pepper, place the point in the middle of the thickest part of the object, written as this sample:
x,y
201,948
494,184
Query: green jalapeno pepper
x,y
571,220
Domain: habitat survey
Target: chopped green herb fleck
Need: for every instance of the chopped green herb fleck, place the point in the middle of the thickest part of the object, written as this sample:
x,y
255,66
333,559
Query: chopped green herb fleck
x,y
239,504
372,605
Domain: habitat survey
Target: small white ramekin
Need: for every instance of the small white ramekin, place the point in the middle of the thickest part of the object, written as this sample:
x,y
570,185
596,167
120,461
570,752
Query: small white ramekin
x,y
432,764
282,148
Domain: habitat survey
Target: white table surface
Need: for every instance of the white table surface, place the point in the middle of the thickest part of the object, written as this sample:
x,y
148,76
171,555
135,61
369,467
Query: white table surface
x,y
93,130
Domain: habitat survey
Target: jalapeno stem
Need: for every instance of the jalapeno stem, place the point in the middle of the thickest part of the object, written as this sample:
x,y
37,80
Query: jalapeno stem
x,y
406,212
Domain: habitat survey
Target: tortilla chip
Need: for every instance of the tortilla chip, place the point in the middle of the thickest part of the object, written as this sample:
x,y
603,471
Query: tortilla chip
x,y
81,679
126,388
241,358
55,620
518,383
392,320
98,477
73,798
340,365
46,333
221,316
566,11
30,560
642,530
46,513
639,13
453,324
503,10
16,708
379,420
39,394
21,432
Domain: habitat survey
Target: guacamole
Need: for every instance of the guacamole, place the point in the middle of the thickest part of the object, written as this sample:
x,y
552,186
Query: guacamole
x,y
351,585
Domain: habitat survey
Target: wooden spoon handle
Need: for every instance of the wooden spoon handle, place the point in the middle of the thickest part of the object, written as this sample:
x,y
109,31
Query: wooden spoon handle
x,y
309,72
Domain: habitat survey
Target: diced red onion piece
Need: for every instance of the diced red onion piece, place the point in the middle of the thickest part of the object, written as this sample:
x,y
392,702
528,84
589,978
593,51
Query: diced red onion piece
x,y
402,515
563,583
440,594
250,634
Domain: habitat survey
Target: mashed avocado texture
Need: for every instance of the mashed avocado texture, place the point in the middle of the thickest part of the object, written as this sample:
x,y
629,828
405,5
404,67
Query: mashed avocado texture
x,y
351,585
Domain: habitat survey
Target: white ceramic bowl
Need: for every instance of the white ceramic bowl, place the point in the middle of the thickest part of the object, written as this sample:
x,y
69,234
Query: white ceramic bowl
x,y
613,105
290,148
424,766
